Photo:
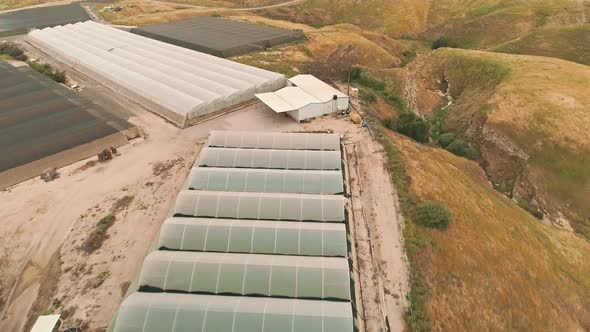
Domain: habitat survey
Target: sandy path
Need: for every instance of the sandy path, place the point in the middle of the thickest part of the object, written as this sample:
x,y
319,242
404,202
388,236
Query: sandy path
x,y
376,227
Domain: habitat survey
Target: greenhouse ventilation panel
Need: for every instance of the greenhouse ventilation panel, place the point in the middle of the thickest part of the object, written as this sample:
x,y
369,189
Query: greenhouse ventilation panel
x,y
149,312
299,277
277,141
294,207
266,180
254,236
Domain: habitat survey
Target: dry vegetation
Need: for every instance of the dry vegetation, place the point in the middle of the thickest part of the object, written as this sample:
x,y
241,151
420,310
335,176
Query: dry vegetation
x,y
570,43
528,118
483,276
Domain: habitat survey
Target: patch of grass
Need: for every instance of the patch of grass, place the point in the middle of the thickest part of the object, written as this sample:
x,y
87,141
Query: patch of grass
x,y
46,69
367,96
474,74
361,77
99,234
443,42
570,43
433,215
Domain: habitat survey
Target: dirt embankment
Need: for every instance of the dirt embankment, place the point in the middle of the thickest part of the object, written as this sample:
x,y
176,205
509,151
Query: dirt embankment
x,y
526,116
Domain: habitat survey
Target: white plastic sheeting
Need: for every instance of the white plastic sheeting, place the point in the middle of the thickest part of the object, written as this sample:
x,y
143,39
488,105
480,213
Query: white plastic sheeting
x,y
276,141
219,204
152,312
181,83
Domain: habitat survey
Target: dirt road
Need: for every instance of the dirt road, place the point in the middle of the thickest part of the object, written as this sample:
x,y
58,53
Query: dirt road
x,y
209,8
376,227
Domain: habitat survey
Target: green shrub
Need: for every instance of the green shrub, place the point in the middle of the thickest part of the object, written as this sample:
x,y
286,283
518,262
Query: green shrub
x,y
443,42
390,123
46,69
445,139
413,126
13,51
530,208
433,215
460,148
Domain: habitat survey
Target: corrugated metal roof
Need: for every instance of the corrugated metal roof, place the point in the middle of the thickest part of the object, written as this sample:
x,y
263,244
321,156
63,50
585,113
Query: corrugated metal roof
x,y
315,87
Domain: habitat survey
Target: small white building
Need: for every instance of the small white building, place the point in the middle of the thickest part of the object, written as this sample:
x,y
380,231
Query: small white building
x,y
48,323
306,97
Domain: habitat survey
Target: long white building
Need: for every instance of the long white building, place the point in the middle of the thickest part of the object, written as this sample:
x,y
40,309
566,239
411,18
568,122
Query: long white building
x,y
177,83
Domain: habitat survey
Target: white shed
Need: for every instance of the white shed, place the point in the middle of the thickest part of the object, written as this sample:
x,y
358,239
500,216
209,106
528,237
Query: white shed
x,y
306,97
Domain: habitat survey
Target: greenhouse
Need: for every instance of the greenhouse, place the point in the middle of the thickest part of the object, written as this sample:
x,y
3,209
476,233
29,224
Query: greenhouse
x,y
254,236
266,180
296,207
177,83
156,312
271,159
299,277
277,141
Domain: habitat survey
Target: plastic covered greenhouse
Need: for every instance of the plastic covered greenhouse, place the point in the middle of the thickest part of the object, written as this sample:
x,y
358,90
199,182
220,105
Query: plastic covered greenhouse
x,y
272,159
151,312
266,180
296,207
247,274
278,141
254,236
178,83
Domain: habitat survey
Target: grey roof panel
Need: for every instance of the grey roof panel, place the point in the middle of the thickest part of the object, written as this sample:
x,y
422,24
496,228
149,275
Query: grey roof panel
x,y
218,36
39,118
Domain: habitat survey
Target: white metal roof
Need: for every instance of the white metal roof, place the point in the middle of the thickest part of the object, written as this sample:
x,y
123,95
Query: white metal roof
x,y
45,323
307,90
316,87
182,80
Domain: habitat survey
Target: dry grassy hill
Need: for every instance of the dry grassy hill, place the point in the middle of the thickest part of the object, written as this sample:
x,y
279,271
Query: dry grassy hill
x,y
529,118
570,43
470,23
495,268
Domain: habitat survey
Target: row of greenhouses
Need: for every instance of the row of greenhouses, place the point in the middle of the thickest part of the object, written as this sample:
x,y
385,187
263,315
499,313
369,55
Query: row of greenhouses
x,y
250,248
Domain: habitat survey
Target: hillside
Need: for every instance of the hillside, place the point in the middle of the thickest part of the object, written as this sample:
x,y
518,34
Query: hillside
x,y
495,268
527,116
469,23
570,43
